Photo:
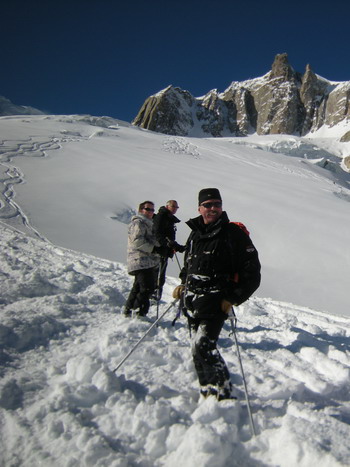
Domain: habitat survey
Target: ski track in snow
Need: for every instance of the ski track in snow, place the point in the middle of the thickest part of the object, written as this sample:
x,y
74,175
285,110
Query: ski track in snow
x,y
62,334
37,146
11,175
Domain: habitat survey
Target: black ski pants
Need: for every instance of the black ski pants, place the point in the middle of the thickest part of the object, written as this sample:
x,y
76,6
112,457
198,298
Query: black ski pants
x,y
142,289
205,327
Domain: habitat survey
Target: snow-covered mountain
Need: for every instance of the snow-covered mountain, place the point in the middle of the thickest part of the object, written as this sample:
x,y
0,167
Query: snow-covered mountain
x,y
8,108
69,187
283,101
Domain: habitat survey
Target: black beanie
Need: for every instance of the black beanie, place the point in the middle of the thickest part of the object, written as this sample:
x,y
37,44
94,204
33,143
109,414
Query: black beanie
x,y
208,193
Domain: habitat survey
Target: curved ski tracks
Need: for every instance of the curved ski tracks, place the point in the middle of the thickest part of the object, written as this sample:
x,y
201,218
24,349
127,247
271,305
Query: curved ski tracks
x,y
10,175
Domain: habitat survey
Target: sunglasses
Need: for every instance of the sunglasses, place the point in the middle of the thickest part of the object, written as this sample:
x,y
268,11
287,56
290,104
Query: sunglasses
x,y
149,209
214,204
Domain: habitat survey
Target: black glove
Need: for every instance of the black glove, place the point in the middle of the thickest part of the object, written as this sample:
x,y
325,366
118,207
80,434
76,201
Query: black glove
x,y
180,248
175,246
161,250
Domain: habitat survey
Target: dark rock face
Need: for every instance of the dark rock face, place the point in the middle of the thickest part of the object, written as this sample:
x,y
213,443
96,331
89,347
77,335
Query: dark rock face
x,y
170,110
281,102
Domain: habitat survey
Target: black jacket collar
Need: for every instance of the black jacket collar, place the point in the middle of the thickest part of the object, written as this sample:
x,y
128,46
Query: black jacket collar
x,y
163,210
197,224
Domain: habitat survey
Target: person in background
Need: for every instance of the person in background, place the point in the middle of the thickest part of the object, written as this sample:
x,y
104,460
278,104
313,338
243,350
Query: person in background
x,y
142,260
164,225
221,269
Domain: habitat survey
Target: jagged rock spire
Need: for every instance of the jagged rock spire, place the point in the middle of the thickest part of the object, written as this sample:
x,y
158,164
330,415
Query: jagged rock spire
x,y
281,68
282,101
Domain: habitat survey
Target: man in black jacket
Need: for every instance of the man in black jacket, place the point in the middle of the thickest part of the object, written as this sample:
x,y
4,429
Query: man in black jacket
x,y
165,232
221,269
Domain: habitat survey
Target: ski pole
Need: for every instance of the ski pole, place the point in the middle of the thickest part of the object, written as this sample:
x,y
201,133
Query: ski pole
x,y
233,326
179,310
142,338
178,262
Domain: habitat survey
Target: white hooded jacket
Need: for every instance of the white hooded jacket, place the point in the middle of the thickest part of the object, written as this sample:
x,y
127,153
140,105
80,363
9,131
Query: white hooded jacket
x,y
141,242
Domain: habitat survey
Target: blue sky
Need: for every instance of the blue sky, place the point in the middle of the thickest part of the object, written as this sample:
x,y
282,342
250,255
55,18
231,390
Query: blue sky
x,y
105,57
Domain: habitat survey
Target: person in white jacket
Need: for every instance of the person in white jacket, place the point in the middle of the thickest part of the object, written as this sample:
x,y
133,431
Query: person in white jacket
x,y
142,260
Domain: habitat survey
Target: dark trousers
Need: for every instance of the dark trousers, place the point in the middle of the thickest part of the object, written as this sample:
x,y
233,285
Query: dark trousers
x,y
142,289
205,327
161,275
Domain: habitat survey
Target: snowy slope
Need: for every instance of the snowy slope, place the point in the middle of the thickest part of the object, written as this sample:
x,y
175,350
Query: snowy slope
x,y
62,335
76,180
70,184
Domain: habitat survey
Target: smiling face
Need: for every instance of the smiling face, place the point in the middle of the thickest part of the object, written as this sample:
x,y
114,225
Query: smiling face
x,y
148,210
210,210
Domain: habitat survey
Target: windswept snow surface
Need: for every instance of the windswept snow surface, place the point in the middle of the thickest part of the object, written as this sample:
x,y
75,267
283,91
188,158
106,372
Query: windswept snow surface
x,y
62,334
76,180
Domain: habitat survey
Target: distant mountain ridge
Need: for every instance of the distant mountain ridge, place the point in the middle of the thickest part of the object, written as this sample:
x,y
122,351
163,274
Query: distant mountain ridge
x,y
8,108
282,101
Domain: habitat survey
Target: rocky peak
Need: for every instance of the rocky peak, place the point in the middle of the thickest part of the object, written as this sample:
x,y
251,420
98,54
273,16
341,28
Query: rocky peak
x,y
210,99
310,84
281,101
281,68
168,112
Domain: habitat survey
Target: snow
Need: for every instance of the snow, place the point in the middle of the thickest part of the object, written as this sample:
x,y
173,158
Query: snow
x,y
77,182
63,334
69,189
